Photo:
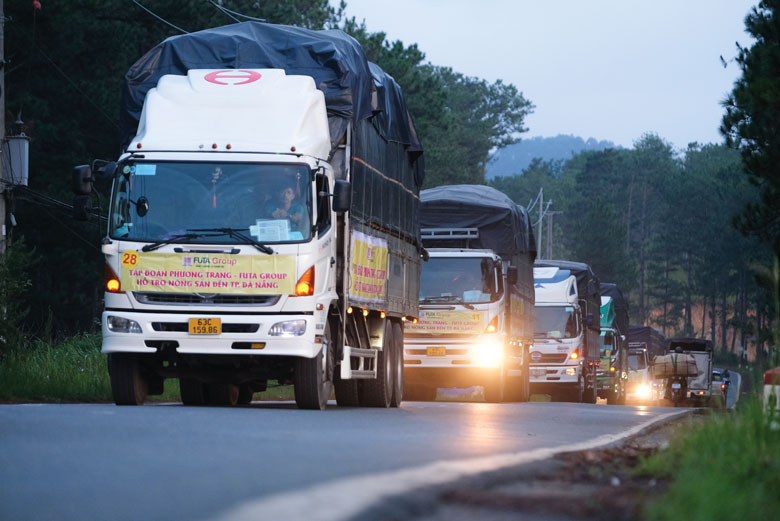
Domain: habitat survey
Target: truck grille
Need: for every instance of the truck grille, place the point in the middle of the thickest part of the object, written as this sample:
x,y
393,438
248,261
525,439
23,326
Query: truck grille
x,y
192,299
554,358
449,351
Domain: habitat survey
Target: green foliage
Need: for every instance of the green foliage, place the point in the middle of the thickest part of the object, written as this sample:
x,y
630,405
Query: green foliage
x,y
13,284
726,464
459,119
752,120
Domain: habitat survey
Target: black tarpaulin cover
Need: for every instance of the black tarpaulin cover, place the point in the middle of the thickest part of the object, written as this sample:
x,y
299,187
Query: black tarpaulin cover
x,y
334,59
621,306
588,286
503,225
654,340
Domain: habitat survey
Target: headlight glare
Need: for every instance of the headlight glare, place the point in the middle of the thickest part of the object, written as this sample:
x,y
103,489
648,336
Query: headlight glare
x,y
488,354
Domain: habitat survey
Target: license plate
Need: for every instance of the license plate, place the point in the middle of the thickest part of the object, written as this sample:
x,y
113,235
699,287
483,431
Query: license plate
x,y
436,351
538,373
675,386
205,326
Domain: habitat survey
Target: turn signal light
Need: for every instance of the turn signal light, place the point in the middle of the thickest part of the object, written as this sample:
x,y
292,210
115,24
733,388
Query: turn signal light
x,y
305,285
611,369
112,281
492,326
574,355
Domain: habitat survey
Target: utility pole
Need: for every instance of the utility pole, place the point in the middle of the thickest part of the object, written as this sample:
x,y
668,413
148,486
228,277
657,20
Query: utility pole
x,y
550,232
541,218
3,173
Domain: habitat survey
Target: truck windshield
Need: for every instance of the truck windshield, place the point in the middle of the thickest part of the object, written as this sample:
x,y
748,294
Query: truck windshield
x,y
636,361
555,322
607,343
165,201
469,279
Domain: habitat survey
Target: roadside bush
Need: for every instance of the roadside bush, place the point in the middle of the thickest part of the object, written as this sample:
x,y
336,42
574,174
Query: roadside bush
x,y
727,466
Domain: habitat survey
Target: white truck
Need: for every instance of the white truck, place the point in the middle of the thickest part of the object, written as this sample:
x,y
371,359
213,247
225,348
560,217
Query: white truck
x,y
262,223
476,296
566,348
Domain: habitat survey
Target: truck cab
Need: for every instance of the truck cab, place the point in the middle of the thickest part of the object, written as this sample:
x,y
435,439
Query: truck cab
x,y
559,335
461,338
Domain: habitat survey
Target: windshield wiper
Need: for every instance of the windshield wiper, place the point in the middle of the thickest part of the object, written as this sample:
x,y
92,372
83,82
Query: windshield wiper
x,y
236,233
173,238
448,299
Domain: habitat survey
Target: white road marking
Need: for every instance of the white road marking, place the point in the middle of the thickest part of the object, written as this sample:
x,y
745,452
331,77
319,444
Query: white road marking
x,y
346,497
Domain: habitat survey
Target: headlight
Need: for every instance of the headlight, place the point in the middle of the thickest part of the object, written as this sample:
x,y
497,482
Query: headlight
x,y
288,328
488,354
571,371
643,390
122,325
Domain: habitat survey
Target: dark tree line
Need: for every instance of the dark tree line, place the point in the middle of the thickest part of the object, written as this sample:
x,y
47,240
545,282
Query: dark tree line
x,y
660,225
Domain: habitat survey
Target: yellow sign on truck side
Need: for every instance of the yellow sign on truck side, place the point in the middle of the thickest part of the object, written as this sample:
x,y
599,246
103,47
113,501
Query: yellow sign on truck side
x,y
448,322
368,270
208,273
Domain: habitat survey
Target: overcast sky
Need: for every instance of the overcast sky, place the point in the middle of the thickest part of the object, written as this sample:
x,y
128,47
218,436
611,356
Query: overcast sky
x,y
605,69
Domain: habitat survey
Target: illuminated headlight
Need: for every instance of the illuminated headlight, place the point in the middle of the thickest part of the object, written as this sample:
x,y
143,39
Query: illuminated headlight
x,y
488,354
122,325
288,328
643,391
571,371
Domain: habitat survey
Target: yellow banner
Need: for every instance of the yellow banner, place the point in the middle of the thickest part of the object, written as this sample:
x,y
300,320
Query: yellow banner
x,y
369,268
208,273
448,322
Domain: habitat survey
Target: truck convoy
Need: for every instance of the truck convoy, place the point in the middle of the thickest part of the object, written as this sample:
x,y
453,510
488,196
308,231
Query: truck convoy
x,y
263,221
475,323
612,372
566,347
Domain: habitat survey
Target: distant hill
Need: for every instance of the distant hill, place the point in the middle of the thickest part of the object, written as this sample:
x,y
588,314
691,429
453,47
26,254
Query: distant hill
x,y
513,159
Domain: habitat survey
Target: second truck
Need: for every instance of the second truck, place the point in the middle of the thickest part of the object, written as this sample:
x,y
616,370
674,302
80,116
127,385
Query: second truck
x,y
476,295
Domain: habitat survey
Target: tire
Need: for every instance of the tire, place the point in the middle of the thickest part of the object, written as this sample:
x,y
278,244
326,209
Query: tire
x,y
590,393
192,391
222,394
379,391
128,385
494,389
245,394
576,394
346,392
313,378
398,366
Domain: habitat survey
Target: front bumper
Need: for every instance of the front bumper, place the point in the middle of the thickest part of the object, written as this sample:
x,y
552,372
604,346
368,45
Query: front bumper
x,y
556,374
243,331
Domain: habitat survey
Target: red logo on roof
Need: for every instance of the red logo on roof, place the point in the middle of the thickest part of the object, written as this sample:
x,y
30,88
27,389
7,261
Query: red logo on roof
x,y
233,77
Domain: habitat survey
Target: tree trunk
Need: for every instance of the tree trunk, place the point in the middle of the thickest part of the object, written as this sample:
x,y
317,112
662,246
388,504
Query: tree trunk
x,y
723,320
703,315
689,277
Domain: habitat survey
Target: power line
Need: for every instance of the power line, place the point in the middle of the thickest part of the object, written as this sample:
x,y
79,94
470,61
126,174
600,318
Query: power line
x,y
226,10
163,20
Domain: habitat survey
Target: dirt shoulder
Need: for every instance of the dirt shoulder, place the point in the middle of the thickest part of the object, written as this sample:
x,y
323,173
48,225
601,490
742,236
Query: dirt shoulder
x,y
586,485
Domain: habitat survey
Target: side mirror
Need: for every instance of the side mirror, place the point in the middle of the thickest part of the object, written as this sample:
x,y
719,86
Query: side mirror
x,y
342,196
82,180
511,275
82,207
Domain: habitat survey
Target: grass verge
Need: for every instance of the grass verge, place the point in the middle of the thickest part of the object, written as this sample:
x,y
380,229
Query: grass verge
x,y
723,468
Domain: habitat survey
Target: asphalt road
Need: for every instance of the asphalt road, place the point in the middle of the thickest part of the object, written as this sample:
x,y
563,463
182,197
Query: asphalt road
x,y
170,462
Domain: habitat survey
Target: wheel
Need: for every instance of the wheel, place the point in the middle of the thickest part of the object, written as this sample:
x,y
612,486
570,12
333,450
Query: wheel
x,y
245,394
575,394
590,393
398,366
128,385
222,394
192,391
346,392
313,378
494,389
379,391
